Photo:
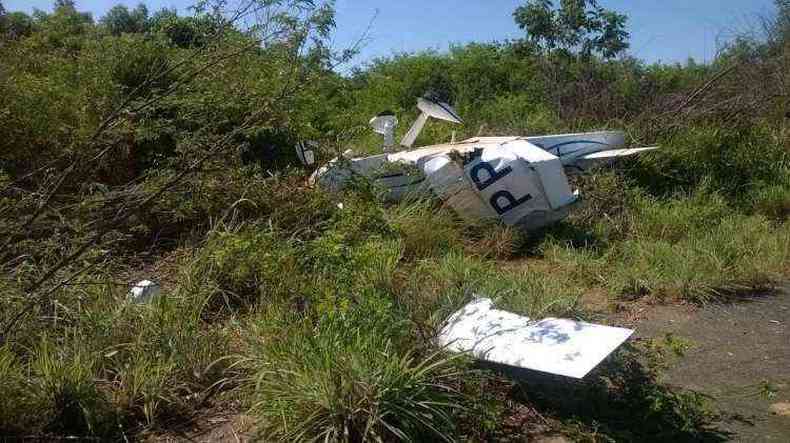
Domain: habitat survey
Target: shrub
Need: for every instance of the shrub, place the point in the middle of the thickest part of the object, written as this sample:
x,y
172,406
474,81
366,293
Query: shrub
x,y
337,381
733,161
239,269
64,391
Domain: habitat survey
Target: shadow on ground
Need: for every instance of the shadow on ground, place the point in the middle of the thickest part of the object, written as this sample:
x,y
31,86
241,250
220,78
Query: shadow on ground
x,y
621,400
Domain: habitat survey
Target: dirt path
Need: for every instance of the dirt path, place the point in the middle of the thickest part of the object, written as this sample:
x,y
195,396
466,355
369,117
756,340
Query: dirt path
x,y
740,355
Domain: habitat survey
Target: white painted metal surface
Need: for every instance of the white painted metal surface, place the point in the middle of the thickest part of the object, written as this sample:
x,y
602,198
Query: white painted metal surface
x,y
384,124
556,346
430,108
143,292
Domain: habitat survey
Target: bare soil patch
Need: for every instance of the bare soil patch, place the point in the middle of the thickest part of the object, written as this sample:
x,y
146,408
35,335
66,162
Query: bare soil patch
x,y
740,356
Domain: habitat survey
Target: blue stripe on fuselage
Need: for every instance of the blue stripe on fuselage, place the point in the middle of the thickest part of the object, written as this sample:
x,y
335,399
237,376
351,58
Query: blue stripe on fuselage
x,y
574,142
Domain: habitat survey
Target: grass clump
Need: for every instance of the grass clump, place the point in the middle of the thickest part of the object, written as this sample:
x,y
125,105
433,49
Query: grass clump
x,y
14,416
104,367
349,376
694,247
740,254
697,248
55,392
64,388
773,200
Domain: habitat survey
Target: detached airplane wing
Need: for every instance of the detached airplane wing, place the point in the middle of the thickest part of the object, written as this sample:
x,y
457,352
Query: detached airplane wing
x,y
556,346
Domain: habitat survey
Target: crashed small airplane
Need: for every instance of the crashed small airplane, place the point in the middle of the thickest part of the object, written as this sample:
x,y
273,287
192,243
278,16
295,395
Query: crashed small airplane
x,y
521,181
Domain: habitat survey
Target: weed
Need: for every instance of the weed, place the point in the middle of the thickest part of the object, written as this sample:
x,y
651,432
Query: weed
x,y
334,381
64,388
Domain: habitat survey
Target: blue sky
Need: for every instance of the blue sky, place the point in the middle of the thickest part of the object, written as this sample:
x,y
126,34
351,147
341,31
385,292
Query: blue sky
x,y
661,30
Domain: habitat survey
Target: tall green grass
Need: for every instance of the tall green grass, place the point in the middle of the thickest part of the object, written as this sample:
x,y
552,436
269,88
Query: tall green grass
x,y
344,378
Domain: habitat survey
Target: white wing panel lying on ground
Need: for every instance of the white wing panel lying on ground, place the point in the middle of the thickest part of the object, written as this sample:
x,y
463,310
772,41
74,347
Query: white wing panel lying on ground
x,y
556,346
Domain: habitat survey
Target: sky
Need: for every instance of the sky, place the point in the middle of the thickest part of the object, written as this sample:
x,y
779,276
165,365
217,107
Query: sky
x,y
661,30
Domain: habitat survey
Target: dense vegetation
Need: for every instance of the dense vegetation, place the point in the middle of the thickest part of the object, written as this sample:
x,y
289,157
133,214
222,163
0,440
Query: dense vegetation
x,y
157,145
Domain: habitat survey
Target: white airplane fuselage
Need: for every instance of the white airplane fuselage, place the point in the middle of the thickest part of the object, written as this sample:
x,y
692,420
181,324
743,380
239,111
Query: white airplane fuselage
x,y
519,180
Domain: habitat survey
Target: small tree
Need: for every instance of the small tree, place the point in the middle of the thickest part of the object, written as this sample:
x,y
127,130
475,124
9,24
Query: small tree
x,y
65,5
576,27
15,25
66,11
2,18
71,4
783,19
119,20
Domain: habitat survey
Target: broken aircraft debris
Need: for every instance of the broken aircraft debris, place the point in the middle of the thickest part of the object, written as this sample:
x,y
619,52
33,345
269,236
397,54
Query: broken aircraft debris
x,y
521,181
143,292
556,346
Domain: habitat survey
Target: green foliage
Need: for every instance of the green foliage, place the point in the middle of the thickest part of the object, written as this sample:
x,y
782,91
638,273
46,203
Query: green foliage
x,y
183,32
241,269
120,20
782,24
15,25
105,366
13,384
63,386
426,231
724,159
661,413
773,200
576,26
698,248
344,379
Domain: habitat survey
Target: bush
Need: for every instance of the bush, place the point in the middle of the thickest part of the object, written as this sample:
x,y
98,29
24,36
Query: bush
x,y
65,390
337,381
243,268
733,161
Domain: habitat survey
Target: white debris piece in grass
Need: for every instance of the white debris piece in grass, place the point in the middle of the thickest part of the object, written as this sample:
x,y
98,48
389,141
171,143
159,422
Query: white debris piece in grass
x,y
557,346
143,292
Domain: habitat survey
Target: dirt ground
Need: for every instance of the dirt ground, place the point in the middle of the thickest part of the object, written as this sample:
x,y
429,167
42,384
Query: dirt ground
x,y
739,355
